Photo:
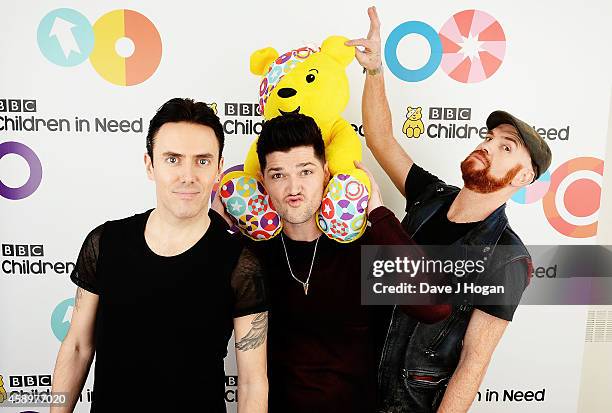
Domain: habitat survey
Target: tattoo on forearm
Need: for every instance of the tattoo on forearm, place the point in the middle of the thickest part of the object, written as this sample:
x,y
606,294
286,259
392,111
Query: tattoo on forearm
x,y
77,298
256,335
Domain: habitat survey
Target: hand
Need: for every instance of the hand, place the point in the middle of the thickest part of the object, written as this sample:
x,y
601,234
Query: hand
x,y
369,57
218,207
375,196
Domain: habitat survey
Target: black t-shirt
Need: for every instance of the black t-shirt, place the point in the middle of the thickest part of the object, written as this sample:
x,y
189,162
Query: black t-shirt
x,y
439,230
163,323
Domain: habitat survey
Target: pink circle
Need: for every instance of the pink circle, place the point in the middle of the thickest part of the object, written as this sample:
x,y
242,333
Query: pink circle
x,y
480,32
582,197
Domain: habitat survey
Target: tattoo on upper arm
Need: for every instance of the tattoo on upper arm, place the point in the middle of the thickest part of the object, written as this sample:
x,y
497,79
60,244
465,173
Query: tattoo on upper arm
x,y
256,335
77,298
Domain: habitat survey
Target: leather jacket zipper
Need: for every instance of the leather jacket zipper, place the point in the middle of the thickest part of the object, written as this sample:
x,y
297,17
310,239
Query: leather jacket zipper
x,y
435,343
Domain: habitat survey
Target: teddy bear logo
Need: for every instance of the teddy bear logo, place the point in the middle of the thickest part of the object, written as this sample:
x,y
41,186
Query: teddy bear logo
x,y
2,391
213,106
311,81
413,126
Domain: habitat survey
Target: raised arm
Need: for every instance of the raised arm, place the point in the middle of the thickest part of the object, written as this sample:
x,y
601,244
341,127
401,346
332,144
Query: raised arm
x,y
377,125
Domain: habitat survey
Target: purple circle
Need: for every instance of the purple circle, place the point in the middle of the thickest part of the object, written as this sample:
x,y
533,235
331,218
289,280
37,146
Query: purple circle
x,y
269,221
35,171
362,204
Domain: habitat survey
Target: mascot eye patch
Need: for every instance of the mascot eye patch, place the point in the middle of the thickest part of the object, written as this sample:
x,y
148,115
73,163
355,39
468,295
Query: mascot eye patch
x,y
277,70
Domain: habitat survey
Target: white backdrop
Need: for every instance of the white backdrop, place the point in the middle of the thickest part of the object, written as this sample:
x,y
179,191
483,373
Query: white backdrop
x,y
556,73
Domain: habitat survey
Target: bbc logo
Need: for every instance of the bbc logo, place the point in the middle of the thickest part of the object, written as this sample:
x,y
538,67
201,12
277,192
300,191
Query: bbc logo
x,y
231,380
10,250
242,109
17,105
30,381
450,113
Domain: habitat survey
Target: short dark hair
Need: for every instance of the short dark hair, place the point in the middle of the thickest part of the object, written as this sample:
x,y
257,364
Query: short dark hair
x,y
289,131
184,110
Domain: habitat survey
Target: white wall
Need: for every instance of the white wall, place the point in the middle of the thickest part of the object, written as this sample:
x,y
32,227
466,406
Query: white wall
x,y
556,73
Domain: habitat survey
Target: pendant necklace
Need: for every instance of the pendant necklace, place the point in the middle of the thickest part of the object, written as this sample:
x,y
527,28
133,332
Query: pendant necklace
x,y
304,284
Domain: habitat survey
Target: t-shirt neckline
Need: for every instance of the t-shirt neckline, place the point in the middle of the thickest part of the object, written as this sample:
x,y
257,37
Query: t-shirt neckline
x,y
148,251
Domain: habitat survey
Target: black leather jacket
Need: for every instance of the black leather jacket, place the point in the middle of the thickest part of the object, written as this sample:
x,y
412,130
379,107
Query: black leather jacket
x,y
419,359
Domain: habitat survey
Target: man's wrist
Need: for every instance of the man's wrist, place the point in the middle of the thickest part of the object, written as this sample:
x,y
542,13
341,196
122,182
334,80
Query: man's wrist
x,y
378,213
373,72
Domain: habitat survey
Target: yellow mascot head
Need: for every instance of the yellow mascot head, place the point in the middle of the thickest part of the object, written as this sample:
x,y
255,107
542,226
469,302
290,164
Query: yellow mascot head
x,y
307,80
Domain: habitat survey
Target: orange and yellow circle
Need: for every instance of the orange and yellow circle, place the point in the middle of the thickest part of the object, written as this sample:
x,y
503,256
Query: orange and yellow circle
x,y
134,69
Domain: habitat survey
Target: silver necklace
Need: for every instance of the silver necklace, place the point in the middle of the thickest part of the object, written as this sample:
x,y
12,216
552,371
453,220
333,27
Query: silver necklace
x,y
304,284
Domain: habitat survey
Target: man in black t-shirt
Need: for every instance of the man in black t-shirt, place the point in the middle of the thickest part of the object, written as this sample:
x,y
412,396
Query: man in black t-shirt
x,y
511,156
159,293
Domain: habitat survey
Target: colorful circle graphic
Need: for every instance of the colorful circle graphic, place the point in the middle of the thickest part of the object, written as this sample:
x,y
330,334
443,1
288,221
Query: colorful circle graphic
x,y
346,210
339,228
258,204
65,37
362,204
246,186
327,208
534,192
61,318
322,223
474,46
572,203
249,222
401,31
357,223
116,26
35,165
259,234
270,221
227,189
354,190
335,189
236,206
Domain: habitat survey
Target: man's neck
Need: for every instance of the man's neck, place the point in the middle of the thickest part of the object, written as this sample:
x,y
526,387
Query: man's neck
x,y
306,231
471,206
169,235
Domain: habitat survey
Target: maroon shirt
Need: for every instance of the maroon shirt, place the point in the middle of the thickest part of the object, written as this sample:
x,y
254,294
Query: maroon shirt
x,y
324,347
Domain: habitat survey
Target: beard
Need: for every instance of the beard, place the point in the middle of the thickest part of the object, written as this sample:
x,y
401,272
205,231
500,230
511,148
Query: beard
x,y
481,180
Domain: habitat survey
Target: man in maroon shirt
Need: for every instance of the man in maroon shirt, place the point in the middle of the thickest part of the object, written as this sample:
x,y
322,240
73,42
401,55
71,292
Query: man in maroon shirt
x,y
323,345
